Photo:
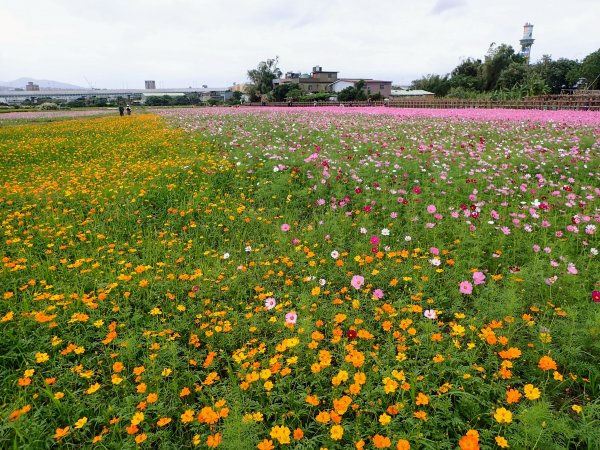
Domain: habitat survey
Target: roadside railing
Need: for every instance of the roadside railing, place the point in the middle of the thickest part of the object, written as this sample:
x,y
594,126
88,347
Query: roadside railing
x,y
546,102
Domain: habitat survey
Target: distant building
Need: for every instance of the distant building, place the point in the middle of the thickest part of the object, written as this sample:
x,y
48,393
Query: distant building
x,y
318,81
240,87
372,87
32,87
130,95
321,80
150,84
407,93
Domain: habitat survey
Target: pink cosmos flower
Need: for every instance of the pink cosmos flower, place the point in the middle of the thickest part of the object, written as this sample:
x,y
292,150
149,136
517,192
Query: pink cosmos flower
x,y
270,303
357,281
434,251
285,228
466,287
431,209
291,317
377,293
478,278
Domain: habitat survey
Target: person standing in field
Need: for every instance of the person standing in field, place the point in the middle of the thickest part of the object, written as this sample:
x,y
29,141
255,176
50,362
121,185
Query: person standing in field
x,y
121,110
128,110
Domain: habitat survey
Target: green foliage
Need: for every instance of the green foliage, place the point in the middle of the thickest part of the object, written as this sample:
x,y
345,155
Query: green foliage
x,y
262,77
286,92
47,106
505,74
590,70
353,93
437,84
141,256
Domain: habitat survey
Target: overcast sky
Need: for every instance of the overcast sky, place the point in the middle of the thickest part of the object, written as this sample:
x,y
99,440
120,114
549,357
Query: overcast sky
x,y
181,43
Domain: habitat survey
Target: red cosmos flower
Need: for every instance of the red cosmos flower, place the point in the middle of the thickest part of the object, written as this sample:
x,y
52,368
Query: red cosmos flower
x,y
358,190
596,296
367,209
417,190
463,206
475,215
351,334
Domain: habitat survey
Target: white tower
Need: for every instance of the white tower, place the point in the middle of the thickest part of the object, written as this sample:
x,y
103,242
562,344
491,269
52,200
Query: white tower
x,y
527,41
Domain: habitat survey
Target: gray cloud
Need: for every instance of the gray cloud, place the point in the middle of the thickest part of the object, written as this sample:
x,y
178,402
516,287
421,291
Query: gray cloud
x,y
445,5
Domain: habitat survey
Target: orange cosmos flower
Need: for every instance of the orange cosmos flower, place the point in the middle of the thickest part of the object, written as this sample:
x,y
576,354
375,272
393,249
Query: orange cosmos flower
x,y
380,441
422,399
163,421
266,444
513,396
60,433
213,441
403,444
547,363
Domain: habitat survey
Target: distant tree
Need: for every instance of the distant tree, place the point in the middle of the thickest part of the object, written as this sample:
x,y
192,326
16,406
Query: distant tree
x,y
560,74
236,98
347,94
360,88
287,91
513,75
433,83
496,61
534,84
353,93
262,77
467,75
590,69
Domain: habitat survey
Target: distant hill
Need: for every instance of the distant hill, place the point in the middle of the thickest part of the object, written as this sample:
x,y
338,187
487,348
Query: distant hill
x,y
43,84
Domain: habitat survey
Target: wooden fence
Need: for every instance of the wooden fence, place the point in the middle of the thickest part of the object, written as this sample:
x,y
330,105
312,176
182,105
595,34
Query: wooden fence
x,y
547,102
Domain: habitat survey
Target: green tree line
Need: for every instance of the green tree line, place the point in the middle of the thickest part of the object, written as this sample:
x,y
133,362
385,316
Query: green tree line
x,y
505,74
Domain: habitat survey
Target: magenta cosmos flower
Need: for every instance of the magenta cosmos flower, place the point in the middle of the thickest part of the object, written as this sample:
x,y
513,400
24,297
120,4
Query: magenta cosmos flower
x,y
478,278
596,296
291,317
466,287
377,293
357,281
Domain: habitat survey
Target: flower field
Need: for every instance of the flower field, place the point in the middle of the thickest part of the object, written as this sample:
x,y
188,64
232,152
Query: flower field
x,y
331,278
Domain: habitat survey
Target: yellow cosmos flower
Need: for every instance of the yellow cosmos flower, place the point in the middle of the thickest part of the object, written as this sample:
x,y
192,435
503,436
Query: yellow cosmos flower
x,y
81,422
41,357
503,415
336,432
532,393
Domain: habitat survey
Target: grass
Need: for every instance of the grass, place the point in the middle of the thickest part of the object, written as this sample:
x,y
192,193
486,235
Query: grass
x,y
241,279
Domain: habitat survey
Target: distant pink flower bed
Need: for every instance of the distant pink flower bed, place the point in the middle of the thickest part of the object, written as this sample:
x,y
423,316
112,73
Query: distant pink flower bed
x,y
562,116
50,114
